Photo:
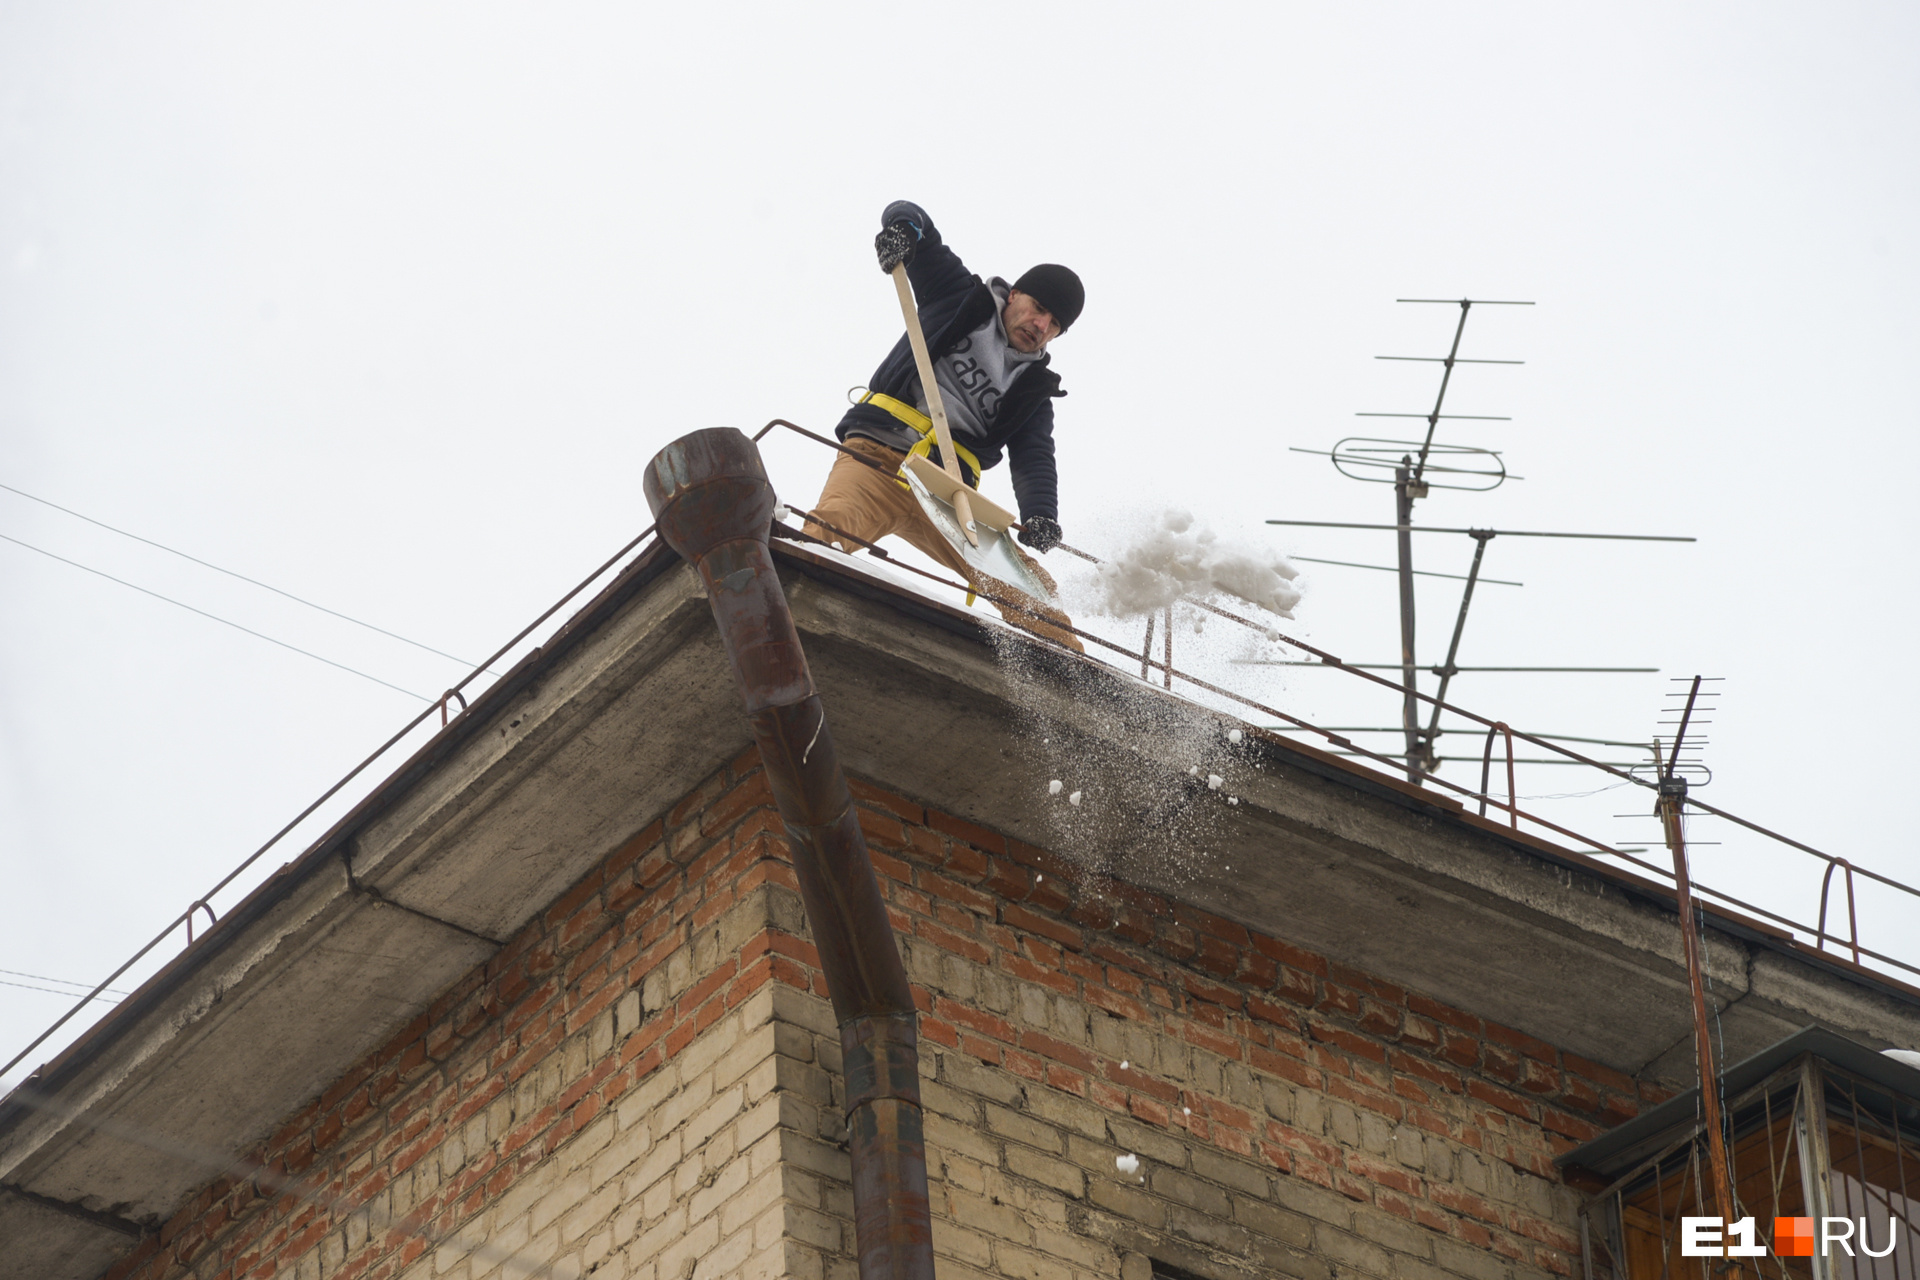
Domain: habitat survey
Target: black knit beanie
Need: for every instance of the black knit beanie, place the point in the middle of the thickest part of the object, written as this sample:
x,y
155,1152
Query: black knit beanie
x,y
1055,288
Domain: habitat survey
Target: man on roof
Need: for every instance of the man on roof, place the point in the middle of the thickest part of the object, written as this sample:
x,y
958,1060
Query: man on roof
x,y
988,340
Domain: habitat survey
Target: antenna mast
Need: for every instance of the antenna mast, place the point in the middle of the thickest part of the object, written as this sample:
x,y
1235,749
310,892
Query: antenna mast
x,y
1671,807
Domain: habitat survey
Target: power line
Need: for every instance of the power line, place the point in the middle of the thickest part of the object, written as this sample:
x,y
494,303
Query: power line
x,y
41,977
51,991
203,613
330,792
231,574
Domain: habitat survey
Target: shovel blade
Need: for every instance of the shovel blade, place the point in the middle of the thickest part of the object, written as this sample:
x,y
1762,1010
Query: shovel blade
x,y
994,557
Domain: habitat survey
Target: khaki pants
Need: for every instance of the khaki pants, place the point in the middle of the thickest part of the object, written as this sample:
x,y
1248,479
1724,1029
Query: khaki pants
x,y
868,503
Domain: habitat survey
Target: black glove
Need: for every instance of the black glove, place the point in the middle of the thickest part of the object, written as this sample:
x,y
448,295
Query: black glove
x,y
1042,533
895,244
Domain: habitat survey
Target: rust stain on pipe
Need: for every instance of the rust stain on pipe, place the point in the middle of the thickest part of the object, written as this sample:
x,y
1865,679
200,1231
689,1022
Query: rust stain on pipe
x,y
714,504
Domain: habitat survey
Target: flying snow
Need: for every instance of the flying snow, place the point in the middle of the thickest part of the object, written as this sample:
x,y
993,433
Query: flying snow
x,y
1179,558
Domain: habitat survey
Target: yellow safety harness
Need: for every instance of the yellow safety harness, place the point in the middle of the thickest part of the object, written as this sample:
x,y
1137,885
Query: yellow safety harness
x,y
920,422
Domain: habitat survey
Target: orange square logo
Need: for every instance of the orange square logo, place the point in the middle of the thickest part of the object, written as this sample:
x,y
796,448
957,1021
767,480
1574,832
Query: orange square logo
x,y
1793,1237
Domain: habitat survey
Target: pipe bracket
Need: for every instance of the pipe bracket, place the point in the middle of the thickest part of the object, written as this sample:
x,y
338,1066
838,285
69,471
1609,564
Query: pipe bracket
x,y
882,1059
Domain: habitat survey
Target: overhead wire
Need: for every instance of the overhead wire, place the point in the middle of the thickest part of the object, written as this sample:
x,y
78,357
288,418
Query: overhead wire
x,y
217,618
1574,795
56,991
208,564
41,977
324,796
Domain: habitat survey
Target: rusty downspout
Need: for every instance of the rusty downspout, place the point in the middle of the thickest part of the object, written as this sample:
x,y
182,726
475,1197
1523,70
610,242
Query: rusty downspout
x,y
714,504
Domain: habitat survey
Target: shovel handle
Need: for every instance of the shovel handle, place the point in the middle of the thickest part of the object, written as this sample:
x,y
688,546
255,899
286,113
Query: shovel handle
x,y
963,512
936,408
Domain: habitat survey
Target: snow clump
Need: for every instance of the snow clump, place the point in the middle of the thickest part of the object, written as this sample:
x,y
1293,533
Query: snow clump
x,y
1180,559
1053,788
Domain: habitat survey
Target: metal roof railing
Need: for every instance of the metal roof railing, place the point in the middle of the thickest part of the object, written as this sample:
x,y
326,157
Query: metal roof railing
x,y
1518,819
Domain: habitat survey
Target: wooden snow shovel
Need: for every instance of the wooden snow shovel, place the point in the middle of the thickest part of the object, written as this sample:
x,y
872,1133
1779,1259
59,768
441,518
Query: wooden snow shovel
x,y
975,525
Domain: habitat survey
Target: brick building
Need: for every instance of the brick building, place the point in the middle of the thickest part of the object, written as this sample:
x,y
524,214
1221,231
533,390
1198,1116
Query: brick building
x,y
548,1003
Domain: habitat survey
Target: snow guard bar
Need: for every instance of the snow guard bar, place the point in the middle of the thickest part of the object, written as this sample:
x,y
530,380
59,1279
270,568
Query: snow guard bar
x,y
714,505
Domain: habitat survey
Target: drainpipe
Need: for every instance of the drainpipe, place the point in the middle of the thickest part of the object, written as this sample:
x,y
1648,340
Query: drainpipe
x,y
714,505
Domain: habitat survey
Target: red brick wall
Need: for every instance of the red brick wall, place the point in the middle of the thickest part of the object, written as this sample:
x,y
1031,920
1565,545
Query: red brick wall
x,y
562,1003
488,1035
1250,999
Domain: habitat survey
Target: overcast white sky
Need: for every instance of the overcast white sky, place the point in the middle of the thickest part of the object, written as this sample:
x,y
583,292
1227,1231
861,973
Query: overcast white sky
x,y
388,305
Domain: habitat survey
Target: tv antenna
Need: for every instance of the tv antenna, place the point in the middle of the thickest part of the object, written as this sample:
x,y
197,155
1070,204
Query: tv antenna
x,y
1414,468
